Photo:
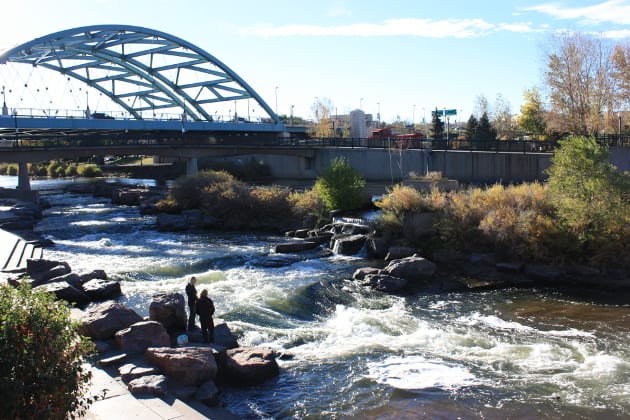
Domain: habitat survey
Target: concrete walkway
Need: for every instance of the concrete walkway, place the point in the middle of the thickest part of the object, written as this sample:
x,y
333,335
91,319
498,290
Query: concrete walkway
x,y
116,402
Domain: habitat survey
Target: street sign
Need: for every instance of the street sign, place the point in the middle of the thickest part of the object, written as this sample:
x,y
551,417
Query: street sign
x,y
444,112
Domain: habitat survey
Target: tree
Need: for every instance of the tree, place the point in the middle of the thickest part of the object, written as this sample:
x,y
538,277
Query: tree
x,y
532,118
591,197
471,128
621,73
481,106
322,108
42,356
340,186
485,131
578,76
502,121
437,126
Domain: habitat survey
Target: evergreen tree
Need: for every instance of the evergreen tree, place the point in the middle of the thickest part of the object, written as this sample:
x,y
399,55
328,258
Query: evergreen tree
x,y
485,131
471,128
437,126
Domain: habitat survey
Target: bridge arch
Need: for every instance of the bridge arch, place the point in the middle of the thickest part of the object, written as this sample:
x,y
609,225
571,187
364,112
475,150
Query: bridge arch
x,y
140,70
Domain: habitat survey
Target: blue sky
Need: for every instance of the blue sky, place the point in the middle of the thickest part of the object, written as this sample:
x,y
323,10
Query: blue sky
x,y
404,57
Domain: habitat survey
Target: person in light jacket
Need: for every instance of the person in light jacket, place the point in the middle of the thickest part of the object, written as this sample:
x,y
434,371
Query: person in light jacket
x,y
205,310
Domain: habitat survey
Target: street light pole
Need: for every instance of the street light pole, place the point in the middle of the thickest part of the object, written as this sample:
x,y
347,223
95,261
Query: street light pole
x,y
276,90
413,121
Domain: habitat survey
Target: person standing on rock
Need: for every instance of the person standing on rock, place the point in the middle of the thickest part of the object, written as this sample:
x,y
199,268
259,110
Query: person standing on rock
x,y
191,293
205,310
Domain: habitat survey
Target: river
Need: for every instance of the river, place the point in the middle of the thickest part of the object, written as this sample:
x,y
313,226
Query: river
x,y
498,354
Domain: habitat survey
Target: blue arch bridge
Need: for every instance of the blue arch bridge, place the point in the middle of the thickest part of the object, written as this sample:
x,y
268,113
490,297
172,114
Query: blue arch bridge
x,y
150,92
127,90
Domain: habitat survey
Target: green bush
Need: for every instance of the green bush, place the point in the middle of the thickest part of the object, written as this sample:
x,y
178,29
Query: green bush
x,y
71,170
187,191
307,209
397,205
89,171
55,169
42,370
340,186
591,196
13,170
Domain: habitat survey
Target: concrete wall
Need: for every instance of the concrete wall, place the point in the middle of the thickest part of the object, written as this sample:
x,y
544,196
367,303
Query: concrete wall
x,y
381,165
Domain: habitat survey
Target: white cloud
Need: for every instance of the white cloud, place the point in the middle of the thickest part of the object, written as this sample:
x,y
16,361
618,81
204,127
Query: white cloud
x,y
611,11
453,28
338,10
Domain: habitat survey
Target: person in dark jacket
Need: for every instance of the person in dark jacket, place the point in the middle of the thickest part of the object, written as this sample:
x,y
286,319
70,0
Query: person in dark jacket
x,y
191,293
205,310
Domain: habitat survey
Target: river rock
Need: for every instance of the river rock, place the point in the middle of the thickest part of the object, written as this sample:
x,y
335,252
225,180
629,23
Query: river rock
x,y
94,274
65,291
102,321
186,365
131,371
384,282
149,385
72,279
360,273
295,246
139,336
170,310
99,289
208,393
399,252
42,277
376,247
171,222
245,366
348,245
411,268
223,336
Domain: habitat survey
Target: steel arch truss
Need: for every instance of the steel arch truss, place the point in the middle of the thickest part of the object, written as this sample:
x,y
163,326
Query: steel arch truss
x,y
139,69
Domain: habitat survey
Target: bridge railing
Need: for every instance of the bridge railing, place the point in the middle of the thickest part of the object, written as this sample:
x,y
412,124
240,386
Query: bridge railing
x,y
117,115
523,146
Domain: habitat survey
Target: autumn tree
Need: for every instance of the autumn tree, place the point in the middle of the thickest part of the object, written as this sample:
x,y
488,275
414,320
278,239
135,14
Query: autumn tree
x,y
532,118
322,108
502,121
621,73
578,77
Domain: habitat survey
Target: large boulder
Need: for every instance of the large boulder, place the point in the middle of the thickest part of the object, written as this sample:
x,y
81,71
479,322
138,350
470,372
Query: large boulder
x,y
99,289
246,366
384,283
139,336
296,246
376,247
399,252
149,385
185,365
131,371
348,245
65,291
102,321
42,277
411,268
94,274
208,393
360,273
223,336
169,309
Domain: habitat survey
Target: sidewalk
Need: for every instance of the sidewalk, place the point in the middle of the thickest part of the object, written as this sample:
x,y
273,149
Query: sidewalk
x,y
116,402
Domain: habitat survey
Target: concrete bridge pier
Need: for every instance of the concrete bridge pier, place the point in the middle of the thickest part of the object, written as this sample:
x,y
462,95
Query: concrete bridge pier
x,y
191,167
24,182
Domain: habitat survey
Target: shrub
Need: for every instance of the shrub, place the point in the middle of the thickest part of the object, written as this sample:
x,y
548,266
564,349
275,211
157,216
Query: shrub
x,y
71,170
229,201
340,186
13,170
400,203
89,171
55,169
592,198
41,357
270,208
187,191
307,208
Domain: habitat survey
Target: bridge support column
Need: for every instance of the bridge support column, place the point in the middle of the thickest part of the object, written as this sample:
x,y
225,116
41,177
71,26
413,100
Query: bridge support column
x,y
191,167
24,182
